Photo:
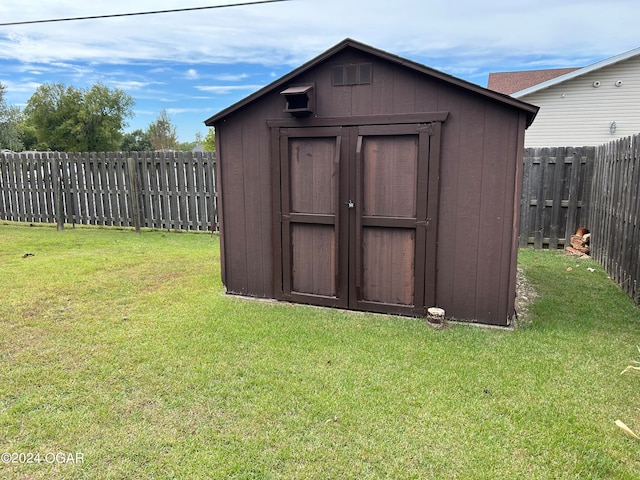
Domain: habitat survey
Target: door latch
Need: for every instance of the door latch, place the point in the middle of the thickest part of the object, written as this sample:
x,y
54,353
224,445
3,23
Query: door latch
x,y
351,204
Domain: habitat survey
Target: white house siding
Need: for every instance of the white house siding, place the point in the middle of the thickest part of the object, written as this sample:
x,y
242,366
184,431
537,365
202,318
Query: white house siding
x,y
575,113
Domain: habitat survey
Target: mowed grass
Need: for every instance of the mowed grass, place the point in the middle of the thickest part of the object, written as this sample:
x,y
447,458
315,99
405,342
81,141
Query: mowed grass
x,y
124,348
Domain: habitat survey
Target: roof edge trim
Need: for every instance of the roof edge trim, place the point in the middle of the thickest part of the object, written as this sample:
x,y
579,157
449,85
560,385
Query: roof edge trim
x,y
577,73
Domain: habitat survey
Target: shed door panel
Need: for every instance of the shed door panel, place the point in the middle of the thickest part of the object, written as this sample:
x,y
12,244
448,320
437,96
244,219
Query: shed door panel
x,y
388,258
391,169
313,185
313,259
389,172
310,164
313,175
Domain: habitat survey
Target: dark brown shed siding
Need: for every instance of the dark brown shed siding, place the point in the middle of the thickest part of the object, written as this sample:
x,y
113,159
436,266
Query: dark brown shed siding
x,y
480,151
478,181
246,205
497,191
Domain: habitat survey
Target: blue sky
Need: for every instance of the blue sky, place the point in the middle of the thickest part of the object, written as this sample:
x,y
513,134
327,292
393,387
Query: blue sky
x,y
194,64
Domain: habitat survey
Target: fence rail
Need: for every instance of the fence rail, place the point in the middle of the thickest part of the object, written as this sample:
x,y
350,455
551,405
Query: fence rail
x,y
168,190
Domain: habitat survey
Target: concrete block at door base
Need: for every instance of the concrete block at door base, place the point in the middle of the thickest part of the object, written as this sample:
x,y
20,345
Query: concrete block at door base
x,y
435,315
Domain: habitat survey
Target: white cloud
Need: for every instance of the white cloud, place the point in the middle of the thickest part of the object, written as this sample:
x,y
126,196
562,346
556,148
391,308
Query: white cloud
x,y
131,84
20,87
222,89
229,77
178,111
158,70
289,33
204,58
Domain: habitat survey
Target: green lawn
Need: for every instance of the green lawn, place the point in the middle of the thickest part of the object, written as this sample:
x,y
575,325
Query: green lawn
x,y
123,348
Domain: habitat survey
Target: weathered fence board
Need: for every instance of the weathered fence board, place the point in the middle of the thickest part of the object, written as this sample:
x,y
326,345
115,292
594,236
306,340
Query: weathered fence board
x,y
555,195
168,190
615,212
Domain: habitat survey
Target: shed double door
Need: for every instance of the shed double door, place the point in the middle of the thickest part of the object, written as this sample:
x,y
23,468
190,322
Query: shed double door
x,y
356,227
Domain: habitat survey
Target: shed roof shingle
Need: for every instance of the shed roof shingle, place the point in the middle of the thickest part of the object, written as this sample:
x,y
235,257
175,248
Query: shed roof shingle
x,y
510,82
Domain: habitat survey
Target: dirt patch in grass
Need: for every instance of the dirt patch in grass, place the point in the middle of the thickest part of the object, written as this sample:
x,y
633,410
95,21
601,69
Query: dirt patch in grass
x,y
525,294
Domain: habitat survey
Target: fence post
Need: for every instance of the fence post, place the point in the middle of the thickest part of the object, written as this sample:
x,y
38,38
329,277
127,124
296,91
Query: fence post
x,y
57,194
572,212
133,189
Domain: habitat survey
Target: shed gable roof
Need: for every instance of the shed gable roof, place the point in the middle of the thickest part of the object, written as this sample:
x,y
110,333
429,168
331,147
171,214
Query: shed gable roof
x,y
529,110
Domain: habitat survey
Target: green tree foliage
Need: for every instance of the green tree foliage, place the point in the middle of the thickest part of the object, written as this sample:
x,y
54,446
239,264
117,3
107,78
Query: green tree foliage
x,y
136,141
210,141
187,146
10,117
162,133
196,145
77,120
28,136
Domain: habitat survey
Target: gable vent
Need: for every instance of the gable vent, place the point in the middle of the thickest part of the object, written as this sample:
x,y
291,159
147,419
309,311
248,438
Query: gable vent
x,y
352,74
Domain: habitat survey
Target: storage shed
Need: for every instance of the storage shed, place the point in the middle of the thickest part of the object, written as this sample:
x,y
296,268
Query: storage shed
x,y
366,181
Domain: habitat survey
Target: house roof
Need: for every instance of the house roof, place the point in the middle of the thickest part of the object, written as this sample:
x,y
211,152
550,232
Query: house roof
x,y
510,82
577,73
530,110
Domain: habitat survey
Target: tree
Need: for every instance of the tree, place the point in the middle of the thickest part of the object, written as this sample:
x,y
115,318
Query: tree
x,y
210,141
103,117
187,146
76,120
9,123
162,133
46,112
28,136
136,141
195,146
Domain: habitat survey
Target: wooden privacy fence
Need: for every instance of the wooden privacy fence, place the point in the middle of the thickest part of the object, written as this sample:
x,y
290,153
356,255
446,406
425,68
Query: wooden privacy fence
x,y
594,187
614,217
167,190
556,187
